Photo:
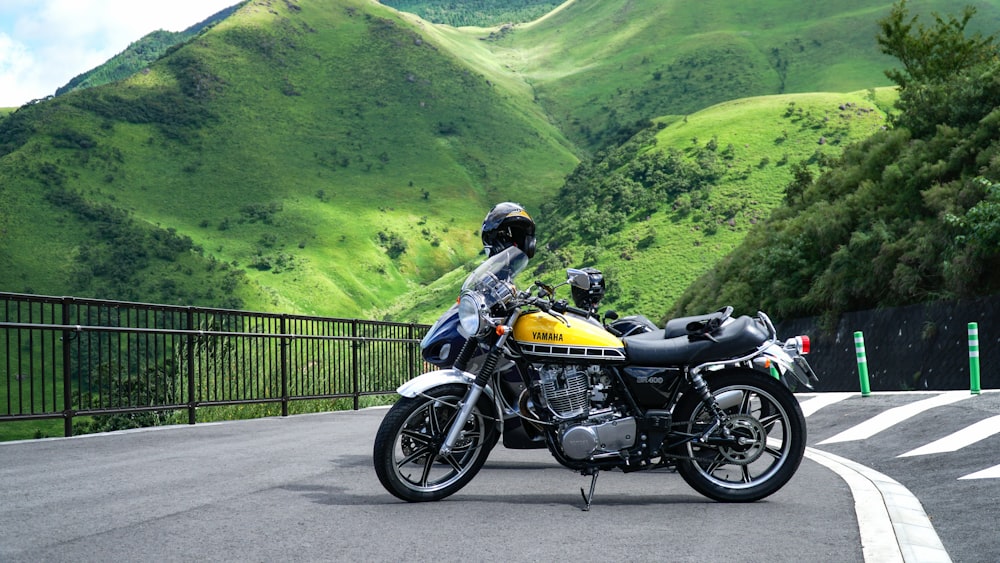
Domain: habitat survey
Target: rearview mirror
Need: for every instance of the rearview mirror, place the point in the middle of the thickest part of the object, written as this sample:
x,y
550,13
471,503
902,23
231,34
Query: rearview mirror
x,y
578,278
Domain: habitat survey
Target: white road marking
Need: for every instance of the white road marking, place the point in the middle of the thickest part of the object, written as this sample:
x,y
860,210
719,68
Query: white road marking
x,y
810,406
894,416
964,437
892,522
991,473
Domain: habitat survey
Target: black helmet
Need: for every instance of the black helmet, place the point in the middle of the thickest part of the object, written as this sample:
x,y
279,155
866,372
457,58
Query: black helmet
x,y
589,299
506,225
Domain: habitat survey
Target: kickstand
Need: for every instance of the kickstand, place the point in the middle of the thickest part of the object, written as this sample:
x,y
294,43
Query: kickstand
x,y
588,498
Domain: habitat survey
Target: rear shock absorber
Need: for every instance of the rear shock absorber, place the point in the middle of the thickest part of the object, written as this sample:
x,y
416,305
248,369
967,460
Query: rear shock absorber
x,y
701,387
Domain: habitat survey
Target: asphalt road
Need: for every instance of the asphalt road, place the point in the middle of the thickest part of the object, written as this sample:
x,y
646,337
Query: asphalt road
x,y
945,455
302,489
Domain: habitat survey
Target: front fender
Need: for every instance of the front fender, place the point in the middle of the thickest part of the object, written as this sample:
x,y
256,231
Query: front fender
x,y
425,381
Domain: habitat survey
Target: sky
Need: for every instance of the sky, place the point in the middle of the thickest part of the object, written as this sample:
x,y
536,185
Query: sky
x,y
45,43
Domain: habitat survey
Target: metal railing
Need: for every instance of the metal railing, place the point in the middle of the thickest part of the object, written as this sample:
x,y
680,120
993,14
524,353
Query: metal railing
x,y
65,357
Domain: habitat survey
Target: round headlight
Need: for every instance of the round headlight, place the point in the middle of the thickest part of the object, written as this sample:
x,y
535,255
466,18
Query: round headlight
x,y
472,314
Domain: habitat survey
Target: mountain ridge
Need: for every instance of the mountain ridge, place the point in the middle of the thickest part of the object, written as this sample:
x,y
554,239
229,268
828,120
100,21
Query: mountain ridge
x,y
140,53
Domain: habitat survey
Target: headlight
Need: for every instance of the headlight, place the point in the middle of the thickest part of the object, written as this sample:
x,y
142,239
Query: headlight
x,y
472,313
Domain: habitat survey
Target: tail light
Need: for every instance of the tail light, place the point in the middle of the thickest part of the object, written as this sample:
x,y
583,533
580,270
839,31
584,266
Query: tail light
x,y
800,343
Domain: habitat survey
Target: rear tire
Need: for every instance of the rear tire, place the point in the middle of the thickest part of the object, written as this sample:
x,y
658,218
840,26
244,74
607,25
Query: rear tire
x,y
408,440
767,418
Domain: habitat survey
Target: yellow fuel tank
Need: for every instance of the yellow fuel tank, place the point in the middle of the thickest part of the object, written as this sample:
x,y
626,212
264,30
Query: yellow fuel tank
x,y
541,335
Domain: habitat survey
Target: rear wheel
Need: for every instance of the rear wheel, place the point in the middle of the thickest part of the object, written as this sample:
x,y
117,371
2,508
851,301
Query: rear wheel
x,y
407,443
767,437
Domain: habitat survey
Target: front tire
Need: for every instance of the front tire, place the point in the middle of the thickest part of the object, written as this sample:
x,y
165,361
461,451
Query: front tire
x,y
408,440
765,416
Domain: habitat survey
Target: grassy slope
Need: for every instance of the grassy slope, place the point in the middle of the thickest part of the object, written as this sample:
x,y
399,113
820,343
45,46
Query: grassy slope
x,y
667,251
401,86
597,64
359,120
767,138
342,114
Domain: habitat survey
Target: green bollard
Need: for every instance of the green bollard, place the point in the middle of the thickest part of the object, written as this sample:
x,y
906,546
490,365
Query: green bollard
x,y
859,348
974,358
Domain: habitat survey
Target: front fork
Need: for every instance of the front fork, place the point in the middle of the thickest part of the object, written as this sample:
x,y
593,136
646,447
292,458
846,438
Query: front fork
x,y
476,389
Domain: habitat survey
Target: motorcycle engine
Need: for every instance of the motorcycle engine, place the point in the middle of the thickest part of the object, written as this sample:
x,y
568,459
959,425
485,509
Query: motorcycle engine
x,y
565,390
576,396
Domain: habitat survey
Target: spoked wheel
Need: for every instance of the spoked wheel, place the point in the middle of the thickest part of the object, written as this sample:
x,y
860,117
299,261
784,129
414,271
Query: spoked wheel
x,y
408,441
756,451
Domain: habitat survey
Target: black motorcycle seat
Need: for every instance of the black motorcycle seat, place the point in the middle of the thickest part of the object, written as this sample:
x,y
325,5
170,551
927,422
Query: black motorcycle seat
x,y
732,340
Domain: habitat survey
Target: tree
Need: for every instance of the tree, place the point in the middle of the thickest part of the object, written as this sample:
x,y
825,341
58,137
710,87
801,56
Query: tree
x,y
946,78
931,55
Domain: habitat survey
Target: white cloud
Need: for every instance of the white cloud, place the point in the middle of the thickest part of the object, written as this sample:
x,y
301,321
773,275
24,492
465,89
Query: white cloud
x,y
45,43
17,72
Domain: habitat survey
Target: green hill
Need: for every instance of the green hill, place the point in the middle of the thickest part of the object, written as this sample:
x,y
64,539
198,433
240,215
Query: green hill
x,y
140,54
909,215
663,208
659,211
327,149
336,156
658,58
475,12
600,67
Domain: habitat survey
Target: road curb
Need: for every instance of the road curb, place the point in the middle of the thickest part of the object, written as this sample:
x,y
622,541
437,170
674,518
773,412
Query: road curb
x,y
892,522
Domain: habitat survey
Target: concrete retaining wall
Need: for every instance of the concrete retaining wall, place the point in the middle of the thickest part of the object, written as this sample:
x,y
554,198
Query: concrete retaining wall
x,y
917,347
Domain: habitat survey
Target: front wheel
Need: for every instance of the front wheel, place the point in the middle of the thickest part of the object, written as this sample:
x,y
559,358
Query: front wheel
x,y
407,443
756,451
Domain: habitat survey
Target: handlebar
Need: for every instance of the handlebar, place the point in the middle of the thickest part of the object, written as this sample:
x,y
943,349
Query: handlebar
x,y
562,306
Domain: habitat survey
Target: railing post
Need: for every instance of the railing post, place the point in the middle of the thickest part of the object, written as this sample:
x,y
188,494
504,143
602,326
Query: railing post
x,y
410,352
974,358
67,370
284,364
859,348
192,404
355,364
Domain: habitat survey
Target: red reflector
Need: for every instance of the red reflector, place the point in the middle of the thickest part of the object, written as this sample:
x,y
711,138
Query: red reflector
x,y
804,344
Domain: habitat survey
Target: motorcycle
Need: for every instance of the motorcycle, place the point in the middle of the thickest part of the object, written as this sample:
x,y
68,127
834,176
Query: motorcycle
x,y
696,396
